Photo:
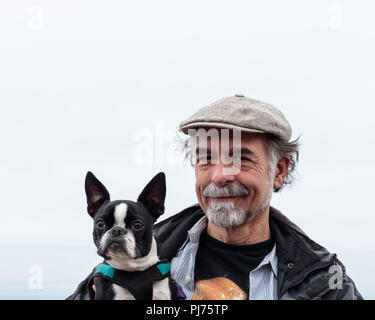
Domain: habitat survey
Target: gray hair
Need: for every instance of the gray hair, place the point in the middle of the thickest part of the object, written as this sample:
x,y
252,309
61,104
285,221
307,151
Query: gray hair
x,y
276,148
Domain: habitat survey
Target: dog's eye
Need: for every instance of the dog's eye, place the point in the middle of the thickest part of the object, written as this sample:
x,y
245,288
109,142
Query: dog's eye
x,y
100,224
137,225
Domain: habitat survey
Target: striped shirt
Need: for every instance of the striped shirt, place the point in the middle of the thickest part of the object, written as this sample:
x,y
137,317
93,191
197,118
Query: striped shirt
x,y
262,279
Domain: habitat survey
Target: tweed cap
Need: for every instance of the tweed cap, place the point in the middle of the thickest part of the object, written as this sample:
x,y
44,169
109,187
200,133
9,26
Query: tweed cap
x,y
240,112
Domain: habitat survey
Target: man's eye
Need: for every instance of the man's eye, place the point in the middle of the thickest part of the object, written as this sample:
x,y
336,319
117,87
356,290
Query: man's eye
x,y
137,225
204,159
242,158
210,159
100,224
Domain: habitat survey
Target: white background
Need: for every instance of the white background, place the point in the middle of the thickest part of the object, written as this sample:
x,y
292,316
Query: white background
x,y
87,85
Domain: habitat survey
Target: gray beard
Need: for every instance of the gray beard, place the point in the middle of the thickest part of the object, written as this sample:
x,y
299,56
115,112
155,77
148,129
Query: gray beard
x,y
224,214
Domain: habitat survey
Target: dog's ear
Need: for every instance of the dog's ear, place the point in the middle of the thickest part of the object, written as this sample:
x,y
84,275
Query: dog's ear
x,y
153,195
96,193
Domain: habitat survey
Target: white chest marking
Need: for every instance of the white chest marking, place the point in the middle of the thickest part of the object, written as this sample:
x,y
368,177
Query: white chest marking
x,y
120,215
122,293
161,290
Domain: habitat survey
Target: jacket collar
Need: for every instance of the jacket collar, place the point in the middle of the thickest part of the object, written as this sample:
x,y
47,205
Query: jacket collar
x,y
298,254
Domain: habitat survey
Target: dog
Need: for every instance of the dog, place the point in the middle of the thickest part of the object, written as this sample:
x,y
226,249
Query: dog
x,y
123,235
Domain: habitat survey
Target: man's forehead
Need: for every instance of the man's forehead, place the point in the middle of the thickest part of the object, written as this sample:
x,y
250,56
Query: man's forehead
x,y
234,151
236,139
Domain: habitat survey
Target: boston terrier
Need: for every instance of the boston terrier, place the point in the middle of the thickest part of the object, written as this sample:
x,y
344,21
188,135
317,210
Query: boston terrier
x,y
123,235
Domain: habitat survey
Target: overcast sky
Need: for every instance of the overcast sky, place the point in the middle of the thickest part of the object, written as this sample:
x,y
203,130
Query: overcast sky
x,y
90,85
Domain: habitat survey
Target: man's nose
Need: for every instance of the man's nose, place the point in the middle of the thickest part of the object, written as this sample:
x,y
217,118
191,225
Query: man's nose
x,y
117,232
218,176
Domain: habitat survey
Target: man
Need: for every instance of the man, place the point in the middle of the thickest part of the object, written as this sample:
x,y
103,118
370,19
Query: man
x,y
234,245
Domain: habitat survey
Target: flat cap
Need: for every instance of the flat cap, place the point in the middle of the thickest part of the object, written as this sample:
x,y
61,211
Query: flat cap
x,y
240,112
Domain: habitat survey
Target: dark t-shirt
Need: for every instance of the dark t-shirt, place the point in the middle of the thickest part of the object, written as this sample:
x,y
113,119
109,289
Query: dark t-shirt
x,y
222,270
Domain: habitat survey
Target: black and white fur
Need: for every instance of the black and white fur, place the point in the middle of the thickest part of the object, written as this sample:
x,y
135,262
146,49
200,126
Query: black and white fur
x,y
123,234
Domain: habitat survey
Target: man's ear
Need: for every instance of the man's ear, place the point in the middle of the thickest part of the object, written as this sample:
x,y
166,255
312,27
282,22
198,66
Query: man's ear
x,y
96,194
281,171
153,195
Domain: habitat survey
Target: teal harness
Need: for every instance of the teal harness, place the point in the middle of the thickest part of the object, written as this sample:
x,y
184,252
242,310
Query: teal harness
x,y
139,283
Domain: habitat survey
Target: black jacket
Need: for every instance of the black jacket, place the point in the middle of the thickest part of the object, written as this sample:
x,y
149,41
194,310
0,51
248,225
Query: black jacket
x,y
303,265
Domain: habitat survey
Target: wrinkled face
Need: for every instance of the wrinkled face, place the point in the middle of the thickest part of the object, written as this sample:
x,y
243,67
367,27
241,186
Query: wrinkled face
x,y
229,199
123,228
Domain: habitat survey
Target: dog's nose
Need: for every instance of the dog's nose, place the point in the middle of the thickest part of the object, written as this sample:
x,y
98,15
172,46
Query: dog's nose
x,y
117,232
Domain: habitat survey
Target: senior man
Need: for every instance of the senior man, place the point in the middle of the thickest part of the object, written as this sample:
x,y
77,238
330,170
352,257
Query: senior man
x,y
233,244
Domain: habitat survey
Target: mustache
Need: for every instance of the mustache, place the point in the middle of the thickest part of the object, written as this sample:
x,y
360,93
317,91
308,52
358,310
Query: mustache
x,y
234,189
